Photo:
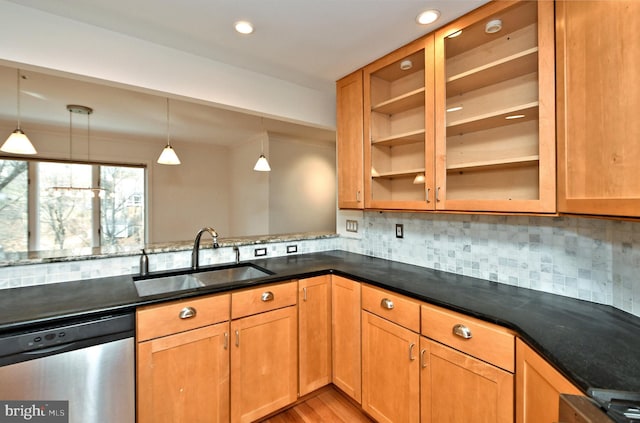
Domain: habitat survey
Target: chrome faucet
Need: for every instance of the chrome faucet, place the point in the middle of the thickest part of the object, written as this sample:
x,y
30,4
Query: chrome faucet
x,y
196,246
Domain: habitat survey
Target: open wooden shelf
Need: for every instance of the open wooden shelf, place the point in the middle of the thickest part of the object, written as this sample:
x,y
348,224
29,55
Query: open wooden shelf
x,y
401,103
510,67
397,173
493,119
400,139
394,73
498,163
513,19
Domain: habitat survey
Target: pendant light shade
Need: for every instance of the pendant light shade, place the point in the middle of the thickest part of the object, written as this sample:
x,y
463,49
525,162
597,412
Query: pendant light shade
x,y
18,142
168,155
262,165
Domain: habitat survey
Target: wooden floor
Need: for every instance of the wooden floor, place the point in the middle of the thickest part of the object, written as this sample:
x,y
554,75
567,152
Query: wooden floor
x,y
328,406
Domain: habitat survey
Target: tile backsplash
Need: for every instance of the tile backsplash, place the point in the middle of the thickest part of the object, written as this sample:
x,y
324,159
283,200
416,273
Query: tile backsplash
x,y
591,259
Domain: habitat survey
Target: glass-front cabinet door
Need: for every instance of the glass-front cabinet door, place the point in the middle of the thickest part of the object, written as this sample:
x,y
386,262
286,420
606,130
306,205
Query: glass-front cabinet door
x,y
495,110
398,128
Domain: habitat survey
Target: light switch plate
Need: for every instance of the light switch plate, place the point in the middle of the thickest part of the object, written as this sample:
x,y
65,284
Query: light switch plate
x,y
292,249
260,252
399,230
352,225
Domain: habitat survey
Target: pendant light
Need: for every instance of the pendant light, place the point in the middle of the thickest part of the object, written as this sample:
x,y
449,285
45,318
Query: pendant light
x,y
71,189
18,143
168,155
262,165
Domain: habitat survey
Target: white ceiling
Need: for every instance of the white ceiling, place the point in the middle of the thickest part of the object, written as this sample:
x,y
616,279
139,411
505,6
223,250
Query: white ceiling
x,y
308,42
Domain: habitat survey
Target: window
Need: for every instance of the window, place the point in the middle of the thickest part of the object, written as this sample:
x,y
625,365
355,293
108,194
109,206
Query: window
x,y
13,206
70,205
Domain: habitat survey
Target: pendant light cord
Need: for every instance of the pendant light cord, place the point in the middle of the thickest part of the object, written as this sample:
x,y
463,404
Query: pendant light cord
x,y
168,125
18,95
70,135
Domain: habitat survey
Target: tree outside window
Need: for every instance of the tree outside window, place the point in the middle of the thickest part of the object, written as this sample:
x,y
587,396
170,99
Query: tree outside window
x,y
65,213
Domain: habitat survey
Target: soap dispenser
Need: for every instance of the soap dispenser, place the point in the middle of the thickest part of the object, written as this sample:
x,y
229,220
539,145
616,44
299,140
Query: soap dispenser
x,y
144,264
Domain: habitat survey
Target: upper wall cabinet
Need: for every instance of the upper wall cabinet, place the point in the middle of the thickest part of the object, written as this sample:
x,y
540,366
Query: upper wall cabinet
x,y
398,128
349,141
598,64
495,114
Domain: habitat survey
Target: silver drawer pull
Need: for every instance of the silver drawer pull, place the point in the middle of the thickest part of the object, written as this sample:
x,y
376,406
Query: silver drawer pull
x,y
411,357
462,331
267,296
187,313
386,303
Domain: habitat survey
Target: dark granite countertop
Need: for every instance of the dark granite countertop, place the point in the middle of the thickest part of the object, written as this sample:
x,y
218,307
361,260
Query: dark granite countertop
x,y
595,346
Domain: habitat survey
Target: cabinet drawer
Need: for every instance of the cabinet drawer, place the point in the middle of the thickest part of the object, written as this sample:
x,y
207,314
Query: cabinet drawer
x,y
178,316
488,342
263,298
394,307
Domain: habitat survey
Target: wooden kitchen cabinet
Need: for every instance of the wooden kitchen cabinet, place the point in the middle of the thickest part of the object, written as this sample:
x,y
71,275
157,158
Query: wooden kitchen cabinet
x,y
349,141
495,114
390,371
398,128
264,351
314,333
538,387
345,336
183,361
467,369
458,388
390,367
598,60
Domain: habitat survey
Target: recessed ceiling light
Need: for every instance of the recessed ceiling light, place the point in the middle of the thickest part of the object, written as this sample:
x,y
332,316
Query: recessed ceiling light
x,y
428,16
514,117
455,34
406,64
454,109
244,27
493,26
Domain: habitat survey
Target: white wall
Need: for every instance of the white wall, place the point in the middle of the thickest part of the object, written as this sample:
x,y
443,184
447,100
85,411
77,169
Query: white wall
x,y
249,189
302,188
191,196
32,37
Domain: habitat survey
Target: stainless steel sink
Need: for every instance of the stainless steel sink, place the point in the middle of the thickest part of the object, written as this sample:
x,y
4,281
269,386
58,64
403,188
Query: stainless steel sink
x,y
221,275
164,284
230,274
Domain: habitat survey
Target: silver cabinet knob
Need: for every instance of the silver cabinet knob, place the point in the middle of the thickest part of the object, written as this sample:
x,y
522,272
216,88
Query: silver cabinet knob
x,y
267,296
386,303
462,331
187,313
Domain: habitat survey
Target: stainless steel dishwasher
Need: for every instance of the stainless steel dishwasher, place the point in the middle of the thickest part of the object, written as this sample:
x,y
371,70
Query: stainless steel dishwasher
x,y
89,362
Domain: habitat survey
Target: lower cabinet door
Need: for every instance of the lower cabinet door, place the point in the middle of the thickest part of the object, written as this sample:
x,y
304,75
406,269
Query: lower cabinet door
x,y
390,371
346,336
457,388
314,333
264,363
184,377
539,386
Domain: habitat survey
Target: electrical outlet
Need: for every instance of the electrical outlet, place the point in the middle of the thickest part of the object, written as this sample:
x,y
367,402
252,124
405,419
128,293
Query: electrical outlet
x,y
352,225
399,230
260,252
292,249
